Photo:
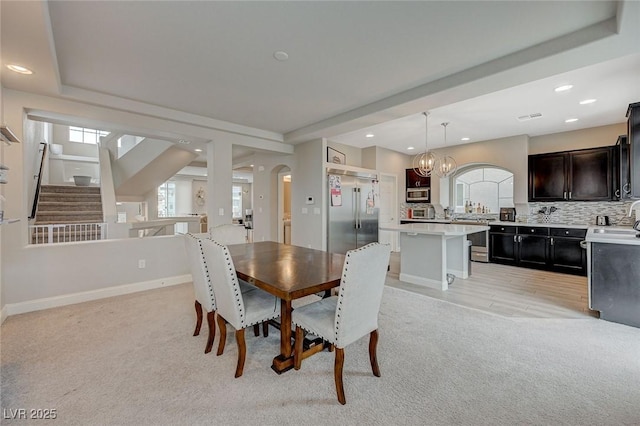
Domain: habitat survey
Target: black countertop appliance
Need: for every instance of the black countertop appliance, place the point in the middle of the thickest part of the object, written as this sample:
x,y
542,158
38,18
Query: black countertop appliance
x,y
507,214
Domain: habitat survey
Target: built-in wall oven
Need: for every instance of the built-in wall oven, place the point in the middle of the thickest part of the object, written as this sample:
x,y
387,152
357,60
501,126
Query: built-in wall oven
x,y
479,242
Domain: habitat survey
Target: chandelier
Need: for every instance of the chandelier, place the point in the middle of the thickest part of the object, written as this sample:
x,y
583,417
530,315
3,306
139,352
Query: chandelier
x,y
424,163
446,165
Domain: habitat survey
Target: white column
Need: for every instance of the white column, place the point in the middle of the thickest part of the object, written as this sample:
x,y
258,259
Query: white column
x,y
219,183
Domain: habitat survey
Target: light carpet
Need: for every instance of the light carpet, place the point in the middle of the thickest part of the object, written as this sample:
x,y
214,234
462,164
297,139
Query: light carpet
x,y
132,360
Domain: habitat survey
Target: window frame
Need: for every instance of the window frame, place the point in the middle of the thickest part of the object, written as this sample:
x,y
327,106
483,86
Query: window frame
x,y
469,168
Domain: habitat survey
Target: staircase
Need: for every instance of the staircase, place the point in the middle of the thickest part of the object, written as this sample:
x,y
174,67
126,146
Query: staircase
x,y
68,213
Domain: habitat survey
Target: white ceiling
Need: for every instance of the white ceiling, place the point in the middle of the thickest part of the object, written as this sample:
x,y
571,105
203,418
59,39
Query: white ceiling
x,y
352,65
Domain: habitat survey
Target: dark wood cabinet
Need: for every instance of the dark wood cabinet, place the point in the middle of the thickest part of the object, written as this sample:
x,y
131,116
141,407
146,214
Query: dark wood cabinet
x,y
633,135
622,169
414,180
533,249
503,247
547,177
581,175
590,174
565,251
536,247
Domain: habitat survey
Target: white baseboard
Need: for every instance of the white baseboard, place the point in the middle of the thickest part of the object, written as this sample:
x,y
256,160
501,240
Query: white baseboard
x,y
86,296
3,314
427,282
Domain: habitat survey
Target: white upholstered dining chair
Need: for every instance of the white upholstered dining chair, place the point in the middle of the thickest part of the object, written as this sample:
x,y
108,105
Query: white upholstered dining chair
x,y
203,289
238,309
352,314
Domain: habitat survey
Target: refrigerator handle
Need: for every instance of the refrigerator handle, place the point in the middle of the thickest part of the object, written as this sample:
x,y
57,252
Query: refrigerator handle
x,y
358,220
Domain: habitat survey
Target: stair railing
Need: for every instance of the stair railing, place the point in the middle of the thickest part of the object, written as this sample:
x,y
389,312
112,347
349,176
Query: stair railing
x,y
42,151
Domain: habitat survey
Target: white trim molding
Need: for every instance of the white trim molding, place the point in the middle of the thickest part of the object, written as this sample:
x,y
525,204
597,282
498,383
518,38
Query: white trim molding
x,y
86,296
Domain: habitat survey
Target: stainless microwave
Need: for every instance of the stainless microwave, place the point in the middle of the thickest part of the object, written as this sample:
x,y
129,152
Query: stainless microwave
x,y
423,213
418,195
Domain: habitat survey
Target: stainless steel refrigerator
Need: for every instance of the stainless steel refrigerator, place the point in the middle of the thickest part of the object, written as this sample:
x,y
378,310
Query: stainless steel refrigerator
x,y
353,211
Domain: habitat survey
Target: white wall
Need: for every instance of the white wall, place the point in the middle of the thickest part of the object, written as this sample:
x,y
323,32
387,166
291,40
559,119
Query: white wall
x,y
61,136
184,198
577,139
308,179
510,153
353,154
30,273
63,269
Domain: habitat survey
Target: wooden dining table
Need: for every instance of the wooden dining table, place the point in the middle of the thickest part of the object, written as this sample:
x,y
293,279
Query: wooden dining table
x,y
288,272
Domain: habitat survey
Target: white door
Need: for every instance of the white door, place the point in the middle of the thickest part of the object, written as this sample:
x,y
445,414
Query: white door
x,y
388,209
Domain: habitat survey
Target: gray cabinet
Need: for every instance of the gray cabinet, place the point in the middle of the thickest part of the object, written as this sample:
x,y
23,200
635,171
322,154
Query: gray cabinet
x,y
615,282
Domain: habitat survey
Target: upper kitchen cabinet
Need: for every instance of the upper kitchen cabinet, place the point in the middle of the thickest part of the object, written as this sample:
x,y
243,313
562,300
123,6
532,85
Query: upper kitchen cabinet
x,y
414,180
547,177
622,177
633,134
581,175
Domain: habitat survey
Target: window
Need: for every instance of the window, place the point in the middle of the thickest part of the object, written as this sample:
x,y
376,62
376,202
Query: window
x,y
492,187
84,135
167,199
237,202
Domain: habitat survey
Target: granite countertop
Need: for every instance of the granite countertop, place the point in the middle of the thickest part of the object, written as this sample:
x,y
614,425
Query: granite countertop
x,y
444,229
613,235
543,225
497,222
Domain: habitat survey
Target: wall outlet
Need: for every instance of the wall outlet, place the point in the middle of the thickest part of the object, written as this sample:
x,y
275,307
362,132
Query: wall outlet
x,y
142,264
220,211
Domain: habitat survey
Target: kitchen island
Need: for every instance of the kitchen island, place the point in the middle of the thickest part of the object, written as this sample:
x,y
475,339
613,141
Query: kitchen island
x,y
431,251
614,273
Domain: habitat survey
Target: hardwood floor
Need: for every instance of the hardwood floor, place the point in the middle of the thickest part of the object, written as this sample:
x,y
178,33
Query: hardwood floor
x,y
509,291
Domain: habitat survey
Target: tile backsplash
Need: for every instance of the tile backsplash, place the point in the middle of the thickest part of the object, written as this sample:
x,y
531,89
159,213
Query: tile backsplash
x,y
579,213
570,213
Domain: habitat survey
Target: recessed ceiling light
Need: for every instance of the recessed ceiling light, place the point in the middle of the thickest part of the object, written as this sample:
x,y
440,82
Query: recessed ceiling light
x,y
19,69
281,55
250,165
197,150
570,120
369,135
563,88
410,148
465,139
587,101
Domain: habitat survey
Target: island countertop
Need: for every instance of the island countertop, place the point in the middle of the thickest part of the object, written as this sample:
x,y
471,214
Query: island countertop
x,y
444,229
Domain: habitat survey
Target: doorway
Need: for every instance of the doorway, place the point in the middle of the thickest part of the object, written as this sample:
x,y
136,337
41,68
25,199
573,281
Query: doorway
x,y
284,206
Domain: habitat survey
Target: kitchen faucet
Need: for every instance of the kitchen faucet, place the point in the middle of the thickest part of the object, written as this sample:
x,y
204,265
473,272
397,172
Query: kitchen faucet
x,y
632,206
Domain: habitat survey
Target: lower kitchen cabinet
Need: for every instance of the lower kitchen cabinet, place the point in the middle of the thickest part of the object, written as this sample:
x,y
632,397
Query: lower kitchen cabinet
x,y
565,252
554,249
533,247
503,244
